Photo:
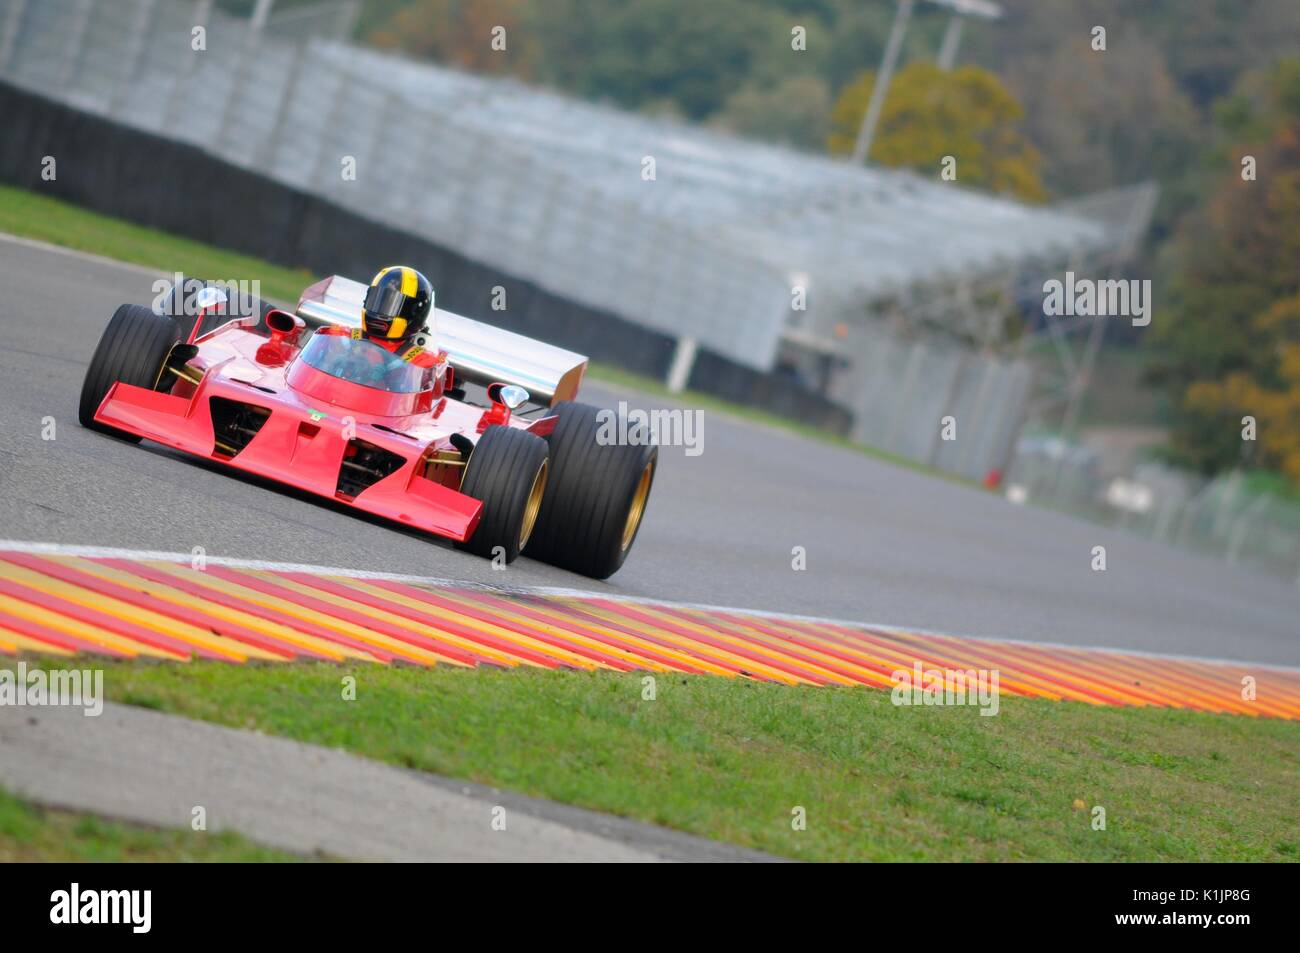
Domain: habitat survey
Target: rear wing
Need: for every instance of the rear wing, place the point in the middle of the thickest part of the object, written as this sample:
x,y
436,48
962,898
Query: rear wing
x,y
479,352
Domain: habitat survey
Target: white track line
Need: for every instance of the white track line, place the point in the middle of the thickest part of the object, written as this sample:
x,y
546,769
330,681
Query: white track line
x,y
110,552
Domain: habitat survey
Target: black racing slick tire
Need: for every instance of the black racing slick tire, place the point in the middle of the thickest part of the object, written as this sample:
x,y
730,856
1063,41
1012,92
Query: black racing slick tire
x,y
133,350
508,472
598,491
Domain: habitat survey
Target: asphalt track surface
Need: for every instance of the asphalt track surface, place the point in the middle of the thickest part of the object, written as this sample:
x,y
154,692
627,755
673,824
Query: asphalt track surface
x,y
884,544
154,769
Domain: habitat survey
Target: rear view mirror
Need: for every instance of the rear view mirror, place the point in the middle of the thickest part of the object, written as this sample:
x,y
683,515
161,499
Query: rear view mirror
x,y
207,298
512,395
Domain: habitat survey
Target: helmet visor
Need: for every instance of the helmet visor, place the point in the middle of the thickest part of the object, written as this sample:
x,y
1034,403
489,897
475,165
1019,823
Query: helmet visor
x,y
387,301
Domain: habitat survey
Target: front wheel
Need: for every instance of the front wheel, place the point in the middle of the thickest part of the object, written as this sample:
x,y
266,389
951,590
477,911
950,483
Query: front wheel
x,y
597,496
508,472
133,350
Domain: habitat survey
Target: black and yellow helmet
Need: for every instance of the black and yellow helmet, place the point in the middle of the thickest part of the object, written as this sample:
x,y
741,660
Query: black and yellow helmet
x,y
397,303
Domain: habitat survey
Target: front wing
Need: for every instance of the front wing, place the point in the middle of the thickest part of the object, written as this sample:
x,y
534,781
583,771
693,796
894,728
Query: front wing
x,y
290,449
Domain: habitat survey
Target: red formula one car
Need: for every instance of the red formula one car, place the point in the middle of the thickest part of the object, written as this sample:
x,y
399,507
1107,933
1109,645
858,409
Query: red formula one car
x,y
522,468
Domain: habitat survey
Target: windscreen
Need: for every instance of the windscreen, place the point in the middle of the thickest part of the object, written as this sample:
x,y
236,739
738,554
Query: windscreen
x,y
365,363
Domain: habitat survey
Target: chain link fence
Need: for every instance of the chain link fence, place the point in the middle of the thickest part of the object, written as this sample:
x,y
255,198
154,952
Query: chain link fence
x,y
910,385
1225,517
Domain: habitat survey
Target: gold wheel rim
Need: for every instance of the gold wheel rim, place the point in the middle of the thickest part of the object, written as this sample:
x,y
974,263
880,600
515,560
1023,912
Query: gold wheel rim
x,y
637,508
534,504
162,371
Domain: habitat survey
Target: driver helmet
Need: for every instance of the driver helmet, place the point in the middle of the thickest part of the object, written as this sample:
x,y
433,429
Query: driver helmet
x,y
397,304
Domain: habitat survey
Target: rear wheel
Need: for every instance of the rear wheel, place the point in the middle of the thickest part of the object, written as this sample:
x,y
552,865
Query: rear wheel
x,y
508,472
597,494
133,350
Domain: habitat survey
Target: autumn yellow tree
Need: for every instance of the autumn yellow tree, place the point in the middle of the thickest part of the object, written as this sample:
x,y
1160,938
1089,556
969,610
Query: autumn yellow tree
x,y
929,114
1229,346
1271,398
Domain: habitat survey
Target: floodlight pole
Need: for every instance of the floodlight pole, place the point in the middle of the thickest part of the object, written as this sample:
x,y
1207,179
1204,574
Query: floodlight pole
x,y
951,41
867,131
261,13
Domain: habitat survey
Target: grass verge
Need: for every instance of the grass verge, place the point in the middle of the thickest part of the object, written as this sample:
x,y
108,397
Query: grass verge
x,y
732,759
31,215
29,833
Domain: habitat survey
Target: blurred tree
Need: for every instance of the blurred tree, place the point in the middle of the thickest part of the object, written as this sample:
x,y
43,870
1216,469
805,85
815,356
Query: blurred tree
x,y
244,8
796,111
636,52
1100,119
929,114
1209,43
460,33
1230,343
1213,411
859,31
1106,118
